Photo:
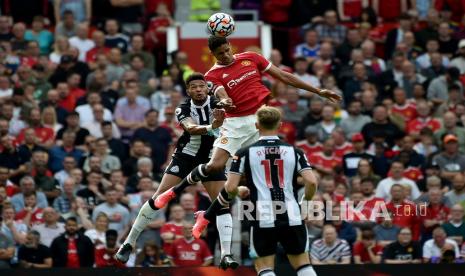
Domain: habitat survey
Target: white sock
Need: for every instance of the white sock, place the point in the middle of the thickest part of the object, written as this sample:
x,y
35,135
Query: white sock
x,y
266,272
144,217
306,271
225,227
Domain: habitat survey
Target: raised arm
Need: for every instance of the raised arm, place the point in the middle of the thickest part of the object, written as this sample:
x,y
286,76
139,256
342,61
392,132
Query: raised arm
x,y
291,79
194,129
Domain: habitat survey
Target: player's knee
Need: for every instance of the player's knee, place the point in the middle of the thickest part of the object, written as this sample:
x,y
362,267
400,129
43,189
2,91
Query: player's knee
x,y
215,167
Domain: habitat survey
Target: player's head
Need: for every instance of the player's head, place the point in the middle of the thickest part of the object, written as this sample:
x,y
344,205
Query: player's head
x,y
268,119
221,49
197,87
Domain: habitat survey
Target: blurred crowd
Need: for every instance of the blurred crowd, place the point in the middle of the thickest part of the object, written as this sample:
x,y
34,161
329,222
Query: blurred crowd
x,y
87,126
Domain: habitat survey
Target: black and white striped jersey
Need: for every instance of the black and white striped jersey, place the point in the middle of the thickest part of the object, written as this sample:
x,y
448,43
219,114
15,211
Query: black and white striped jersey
x,y
198,146
271,167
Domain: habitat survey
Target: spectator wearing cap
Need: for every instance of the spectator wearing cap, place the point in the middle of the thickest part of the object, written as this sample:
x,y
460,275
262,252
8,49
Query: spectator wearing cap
x,y
450,160
350,161
39,34
158,137
459,61
437,90
67,148
457,194
355,121
450,126
311,144
69,64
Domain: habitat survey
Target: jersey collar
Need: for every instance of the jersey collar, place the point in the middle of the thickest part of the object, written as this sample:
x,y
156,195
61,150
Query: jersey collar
x,y
275,137
203,105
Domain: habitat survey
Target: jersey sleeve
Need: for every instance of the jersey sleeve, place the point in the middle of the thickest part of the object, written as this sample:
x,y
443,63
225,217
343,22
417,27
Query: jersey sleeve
x,y
302,162
262,63
182,112
213,82
238,161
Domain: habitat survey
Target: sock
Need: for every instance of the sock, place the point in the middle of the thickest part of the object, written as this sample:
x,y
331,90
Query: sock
x,y
306,270
222,201
196,175
146,214
267,272
224,225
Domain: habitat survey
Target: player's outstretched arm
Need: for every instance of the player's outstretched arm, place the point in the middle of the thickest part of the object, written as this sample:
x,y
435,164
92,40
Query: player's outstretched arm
x,y
194,129
311,184
290,79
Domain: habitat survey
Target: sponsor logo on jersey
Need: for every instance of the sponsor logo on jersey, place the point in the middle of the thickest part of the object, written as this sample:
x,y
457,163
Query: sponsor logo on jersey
x,y
225,75
246,62
174,169
235,82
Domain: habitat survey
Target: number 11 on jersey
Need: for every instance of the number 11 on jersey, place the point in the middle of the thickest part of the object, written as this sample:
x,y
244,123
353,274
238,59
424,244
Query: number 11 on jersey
x,y
279,165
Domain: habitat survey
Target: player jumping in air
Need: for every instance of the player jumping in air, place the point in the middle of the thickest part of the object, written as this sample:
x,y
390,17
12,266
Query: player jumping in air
x,y
199,116
237,83
271,167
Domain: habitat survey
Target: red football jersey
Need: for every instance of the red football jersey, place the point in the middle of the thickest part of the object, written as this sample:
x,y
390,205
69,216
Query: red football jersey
x,y
106,258
343,149
190,253
327,162
45,134
37,216
440,213
361,251
242,81
412,173
170,227
309,149
418,124
405,215
408,111
352,8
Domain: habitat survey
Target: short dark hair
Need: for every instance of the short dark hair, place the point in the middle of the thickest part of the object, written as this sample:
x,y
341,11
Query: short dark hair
x,y
194,76
137,55
455,86
73,219
68,12
111,233
216,42
150,111
106,123
300,59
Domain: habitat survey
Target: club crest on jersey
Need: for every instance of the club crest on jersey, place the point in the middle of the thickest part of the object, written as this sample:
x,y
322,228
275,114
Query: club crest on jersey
x,y
177,111
174,169
246,62
224,141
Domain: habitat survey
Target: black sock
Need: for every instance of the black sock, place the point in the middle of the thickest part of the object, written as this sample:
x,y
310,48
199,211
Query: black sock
x,y
221,202
193,177
152,204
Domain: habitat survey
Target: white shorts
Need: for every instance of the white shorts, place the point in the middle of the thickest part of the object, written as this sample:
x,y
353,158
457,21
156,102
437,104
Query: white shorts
x,y
236,133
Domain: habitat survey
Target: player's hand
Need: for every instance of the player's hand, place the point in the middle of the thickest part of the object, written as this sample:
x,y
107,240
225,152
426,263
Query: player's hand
x,y
219,114
243,192
227,104
330,95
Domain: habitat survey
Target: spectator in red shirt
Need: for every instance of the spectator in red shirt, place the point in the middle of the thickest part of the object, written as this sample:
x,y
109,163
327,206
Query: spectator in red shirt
x,y
31,214
423,120
189,251
325,161
436,214
67,100
403,108
45,135
172,230
341,146
310,145
389,10
10,188
99,39
367,250
104,253
404,212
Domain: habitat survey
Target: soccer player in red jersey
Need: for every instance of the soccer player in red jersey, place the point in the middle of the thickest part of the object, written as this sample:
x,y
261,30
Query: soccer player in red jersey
x,y
236,81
